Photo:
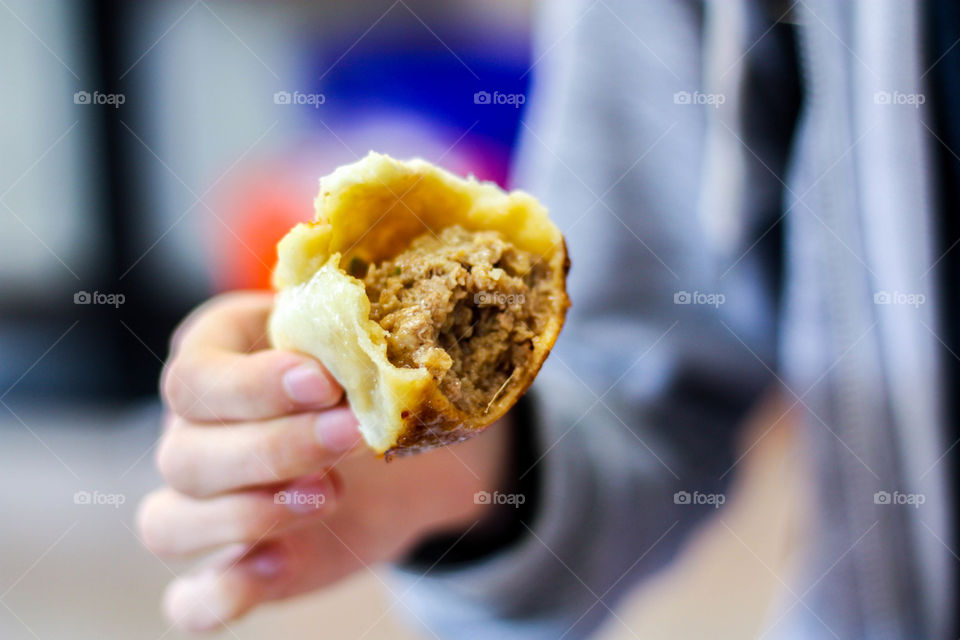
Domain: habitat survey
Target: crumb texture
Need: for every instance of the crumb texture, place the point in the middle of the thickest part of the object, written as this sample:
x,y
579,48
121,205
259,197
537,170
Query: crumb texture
x,y
466,305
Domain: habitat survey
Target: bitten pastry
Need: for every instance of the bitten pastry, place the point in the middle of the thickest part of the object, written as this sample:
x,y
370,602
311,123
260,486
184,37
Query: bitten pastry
x,y
432,299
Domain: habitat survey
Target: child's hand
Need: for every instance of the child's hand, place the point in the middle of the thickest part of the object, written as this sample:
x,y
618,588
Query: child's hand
x,y
263,457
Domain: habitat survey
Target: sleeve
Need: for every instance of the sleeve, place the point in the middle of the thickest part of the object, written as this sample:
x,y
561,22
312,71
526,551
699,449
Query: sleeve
x,y
669,342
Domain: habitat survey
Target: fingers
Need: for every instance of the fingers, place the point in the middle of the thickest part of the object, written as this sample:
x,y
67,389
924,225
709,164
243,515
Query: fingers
x,y
241,578
234,321
213,376
212,385
200,460
172,524
278,417
203,601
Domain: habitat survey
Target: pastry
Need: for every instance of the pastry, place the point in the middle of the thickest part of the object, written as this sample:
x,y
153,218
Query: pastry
x,y
433,299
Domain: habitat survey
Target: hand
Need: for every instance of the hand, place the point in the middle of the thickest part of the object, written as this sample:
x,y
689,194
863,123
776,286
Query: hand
x,y
264,460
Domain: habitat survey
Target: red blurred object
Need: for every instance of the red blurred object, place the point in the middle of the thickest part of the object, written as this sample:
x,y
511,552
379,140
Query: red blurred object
x,y
257,211
268,196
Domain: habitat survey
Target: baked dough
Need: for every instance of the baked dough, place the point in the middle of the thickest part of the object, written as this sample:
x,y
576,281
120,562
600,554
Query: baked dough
x,y
468,294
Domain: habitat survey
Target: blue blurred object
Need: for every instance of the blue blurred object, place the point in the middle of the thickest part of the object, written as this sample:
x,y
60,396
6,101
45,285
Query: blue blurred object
x,y
413,72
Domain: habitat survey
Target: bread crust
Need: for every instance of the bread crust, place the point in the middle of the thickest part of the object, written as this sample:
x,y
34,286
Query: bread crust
x,y
372,210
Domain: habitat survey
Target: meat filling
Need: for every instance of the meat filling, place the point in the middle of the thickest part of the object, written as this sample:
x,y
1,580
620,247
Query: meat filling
x,y
466,305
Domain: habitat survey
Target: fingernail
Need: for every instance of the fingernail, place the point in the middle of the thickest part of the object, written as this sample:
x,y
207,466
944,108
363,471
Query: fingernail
x,y
337,430
309,496
305,384
267,563
193,602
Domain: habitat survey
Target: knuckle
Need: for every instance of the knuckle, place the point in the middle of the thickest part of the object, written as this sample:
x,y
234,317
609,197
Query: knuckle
x,y
255,395
261,381
282,451
274,455
172,462
167,460
149,526
253,520
176,391
185,327
176,338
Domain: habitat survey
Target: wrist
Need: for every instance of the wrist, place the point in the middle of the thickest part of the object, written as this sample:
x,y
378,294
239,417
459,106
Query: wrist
x,y
457,489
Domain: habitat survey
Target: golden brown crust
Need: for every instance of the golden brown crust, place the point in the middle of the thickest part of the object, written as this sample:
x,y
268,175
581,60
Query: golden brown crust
x,y
322,310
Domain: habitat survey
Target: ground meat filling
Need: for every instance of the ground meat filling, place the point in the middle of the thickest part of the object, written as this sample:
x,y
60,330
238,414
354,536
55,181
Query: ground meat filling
x,y
466,305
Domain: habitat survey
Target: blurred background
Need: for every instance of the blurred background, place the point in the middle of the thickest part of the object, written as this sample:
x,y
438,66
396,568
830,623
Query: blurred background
x,y
151,155
158,150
